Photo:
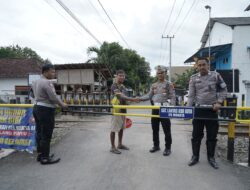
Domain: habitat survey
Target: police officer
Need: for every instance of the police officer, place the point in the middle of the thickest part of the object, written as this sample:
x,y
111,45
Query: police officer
x,y
161,94
205,88
44,113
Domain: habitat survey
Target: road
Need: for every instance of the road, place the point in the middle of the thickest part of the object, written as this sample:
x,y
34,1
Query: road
x,y
87,163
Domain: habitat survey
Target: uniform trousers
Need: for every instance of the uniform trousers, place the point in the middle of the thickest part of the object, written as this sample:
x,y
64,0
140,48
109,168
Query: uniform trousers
x,y
45,123
166,126
212,128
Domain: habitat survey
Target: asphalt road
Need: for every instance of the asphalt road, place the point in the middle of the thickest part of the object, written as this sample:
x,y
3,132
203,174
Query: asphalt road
x,y
87,163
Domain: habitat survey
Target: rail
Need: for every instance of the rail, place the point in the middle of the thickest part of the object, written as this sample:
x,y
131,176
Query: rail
x,y
231,114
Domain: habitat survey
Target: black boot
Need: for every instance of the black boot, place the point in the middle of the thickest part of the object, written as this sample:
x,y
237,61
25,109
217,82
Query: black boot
x,y
194,160
213,163
39,156
167,152
210,154
154,149
196,152
49,160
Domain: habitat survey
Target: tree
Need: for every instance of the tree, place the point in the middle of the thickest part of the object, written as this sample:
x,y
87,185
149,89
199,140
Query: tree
x,y
16,51
116,57
182,80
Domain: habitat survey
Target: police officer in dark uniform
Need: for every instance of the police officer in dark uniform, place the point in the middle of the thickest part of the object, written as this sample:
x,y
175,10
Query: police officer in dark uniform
x,y
205,88
44,113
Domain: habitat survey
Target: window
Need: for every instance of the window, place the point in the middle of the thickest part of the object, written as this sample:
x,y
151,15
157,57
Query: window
x,y
22,90
225,60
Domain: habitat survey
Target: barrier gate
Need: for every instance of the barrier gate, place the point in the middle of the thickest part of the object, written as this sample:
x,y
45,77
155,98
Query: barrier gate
x,y
230,114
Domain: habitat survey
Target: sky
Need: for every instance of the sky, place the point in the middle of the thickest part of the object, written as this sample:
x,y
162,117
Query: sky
x,y
45,27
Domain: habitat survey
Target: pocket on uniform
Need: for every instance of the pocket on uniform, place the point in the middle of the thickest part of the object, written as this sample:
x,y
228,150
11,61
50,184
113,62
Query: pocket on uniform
x,y
212,86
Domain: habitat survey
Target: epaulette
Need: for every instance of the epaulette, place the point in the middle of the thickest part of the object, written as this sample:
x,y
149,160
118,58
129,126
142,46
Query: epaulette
x,y
194,75
154,84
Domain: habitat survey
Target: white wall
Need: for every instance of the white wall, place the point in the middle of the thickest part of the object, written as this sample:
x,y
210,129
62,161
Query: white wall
x,y
75,76
240,55
220,34
240,38
7,86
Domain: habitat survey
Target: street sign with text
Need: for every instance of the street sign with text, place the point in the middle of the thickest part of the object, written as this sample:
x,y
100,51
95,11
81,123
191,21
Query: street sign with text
x,y
177,112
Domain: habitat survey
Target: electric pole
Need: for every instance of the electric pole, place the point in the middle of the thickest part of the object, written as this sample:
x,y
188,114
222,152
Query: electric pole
x,y
170,54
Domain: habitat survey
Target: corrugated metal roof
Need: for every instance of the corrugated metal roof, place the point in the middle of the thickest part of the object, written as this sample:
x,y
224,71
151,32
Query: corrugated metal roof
x,y
203,52
248,8
20,68
229,21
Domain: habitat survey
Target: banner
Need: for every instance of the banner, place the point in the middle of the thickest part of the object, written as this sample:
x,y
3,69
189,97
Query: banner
x,y
177,112
17,128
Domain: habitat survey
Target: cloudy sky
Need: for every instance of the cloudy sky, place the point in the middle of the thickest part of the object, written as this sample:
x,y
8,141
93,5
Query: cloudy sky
x,y
46,27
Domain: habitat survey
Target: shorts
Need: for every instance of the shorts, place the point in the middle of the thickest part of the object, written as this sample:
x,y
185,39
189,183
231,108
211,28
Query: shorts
x,y
117,123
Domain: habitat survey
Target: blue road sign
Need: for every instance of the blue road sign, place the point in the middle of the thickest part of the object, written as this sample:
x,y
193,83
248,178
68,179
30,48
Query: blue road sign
x,y
177,112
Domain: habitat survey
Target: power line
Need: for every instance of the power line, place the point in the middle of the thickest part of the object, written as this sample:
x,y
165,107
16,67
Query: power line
x,y
166,25
160,52
103,20
177,30
77,20
113,24
170,54
63,17
164,55
177,16
194,8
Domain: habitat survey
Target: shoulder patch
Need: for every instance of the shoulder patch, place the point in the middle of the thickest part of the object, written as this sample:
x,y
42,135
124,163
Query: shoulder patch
x,y
154,85
194,75
171,85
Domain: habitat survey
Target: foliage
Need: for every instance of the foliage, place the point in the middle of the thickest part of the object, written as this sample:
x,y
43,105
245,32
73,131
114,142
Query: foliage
x,y
137,69
182,80
16,51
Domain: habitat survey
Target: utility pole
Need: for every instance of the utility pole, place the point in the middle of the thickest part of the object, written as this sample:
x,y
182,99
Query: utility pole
x,y
209,33
170,54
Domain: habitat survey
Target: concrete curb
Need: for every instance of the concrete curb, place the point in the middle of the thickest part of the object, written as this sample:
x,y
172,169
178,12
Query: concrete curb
x,y
5,152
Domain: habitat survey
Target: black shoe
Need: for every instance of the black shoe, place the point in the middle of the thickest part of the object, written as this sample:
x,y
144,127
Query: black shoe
x,y
166,152
45,161
39,156
154,149
213,163
194,160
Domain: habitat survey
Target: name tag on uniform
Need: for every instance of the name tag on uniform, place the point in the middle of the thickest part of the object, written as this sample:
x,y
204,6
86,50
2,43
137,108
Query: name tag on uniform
x,y
162,104
223,85
157,104
165,104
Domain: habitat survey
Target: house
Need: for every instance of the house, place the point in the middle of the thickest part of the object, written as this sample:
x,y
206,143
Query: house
x,y
178,70
230,52
15,76
81,82
88,77
248,8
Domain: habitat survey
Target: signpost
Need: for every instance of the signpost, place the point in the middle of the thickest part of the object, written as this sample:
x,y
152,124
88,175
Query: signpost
x,y
177,112
17,128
